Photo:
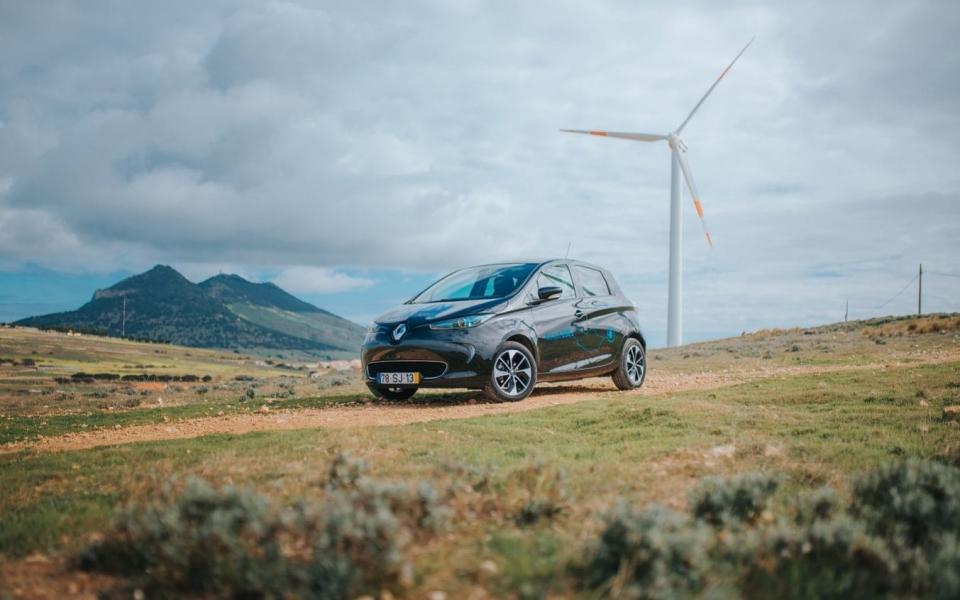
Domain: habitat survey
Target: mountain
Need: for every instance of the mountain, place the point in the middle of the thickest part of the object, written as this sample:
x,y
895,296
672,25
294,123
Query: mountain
x,y
233,289
225,311
269,306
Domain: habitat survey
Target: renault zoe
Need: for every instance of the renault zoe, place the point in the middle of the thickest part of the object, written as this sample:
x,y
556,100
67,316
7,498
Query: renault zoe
x,y
503,328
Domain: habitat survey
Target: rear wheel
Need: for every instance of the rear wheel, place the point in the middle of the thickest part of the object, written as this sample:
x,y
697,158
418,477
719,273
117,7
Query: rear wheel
x,y
632,370
514,373
394,394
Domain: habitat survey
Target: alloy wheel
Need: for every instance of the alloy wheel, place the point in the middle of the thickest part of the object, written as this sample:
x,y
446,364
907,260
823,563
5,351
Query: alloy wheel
x,y
512,372
635,364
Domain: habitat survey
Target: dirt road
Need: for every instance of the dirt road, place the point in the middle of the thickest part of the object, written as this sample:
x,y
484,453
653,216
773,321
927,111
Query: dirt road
x,y
449,406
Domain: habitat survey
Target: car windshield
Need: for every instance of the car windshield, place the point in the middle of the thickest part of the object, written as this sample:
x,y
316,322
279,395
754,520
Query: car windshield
x,y
477,283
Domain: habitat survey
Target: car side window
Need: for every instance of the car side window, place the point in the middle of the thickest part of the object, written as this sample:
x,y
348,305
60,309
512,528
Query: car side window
x,y
592,281
556,276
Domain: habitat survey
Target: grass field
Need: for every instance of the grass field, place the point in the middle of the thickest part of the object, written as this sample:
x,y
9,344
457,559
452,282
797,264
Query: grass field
x,y
816,407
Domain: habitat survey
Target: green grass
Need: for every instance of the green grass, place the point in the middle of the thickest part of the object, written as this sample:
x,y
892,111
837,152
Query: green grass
x,y
19,428
814,428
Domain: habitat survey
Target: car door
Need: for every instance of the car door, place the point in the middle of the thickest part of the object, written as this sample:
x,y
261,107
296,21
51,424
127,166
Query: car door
x,y
596,313
553,320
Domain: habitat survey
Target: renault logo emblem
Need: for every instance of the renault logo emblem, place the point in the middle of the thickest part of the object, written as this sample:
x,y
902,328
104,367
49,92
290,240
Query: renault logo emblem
x,y
398,331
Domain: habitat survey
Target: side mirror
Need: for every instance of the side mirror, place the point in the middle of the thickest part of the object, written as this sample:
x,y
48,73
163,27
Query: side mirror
x,y
550,292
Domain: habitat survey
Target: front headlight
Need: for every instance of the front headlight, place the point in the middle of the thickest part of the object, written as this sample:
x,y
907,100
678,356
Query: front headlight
x,y
461,323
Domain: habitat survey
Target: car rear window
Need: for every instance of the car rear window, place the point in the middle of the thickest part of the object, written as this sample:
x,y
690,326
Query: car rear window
x,y
592,281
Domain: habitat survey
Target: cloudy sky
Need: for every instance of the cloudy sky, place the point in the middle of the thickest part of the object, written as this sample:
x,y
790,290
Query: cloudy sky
x,y
351,151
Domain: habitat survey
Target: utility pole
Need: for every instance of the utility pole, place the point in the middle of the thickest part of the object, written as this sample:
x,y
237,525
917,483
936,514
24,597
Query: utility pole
x,y
123,324
846,310
920,292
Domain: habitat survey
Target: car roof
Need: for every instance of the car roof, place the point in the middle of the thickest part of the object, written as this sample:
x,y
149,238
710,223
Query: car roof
x,y
543,261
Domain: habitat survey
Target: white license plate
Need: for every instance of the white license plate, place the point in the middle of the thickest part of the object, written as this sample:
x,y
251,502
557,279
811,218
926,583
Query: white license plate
x,y
398,378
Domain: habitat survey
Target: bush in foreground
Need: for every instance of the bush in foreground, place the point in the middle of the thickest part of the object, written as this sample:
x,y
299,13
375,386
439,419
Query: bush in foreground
x,y
232,542
914,507
739,500
203,540
542,491
898,535
650,553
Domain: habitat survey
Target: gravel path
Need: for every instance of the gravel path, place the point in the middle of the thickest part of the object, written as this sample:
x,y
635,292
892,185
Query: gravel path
x,y
454,406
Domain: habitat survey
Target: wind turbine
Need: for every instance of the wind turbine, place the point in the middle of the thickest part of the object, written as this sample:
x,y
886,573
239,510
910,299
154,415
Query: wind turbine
x,y
678,163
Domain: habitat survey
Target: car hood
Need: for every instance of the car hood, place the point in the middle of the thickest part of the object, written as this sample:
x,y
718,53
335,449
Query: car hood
x,y
418,314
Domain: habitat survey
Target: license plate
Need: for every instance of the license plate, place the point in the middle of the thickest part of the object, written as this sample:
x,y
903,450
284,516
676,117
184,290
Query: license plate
x,y
398,378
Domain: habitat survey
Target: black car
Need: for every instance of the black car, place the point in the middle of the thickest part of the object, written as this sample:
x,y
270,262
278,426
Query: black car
x,y
503,328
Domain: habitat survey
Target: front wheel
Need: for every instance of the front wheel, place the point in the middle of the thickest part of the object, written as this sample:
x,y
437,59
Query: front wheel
x,y
394,394
632,370
514,373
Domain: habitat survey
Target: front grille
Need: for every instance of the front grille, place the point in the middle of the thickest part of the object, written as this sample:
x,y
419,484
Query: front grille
x,y
428,369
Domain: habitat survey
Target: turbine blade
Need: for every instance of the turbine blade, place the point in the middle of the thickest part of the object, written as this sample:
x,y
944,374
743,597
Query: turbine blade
x,y
688,176
697,107
639,137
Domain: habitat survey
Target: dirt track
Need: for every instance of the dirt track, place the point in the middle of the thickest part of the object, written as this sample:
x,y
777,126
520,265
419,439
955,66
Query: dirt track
x,y
455,406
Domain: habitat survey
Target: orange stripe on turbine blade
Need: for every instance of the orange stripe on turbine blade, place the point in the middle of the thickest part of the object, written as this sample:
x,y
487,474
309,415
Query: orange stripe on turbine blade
x,y
696,204
603,133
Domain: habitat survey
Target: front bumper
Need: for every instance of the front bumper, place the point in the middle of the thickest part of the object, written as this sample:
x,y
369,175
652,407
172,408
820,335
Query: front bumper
x,y
465,365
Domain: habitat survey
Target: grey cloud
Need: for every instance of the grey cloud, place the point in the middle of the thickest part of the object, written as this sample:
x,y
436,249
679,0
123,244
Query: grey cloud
x,y
294,135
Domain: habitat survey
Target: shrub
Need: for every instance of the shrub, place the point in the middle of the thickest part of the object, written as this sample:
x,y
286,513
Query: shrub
x,y
204,541
356,551
652,553
738,500
914,507
945,582
823,558
822,504
543,493
899,535
249,394
913,502
419,506
336,379
345,471
821,552
230,542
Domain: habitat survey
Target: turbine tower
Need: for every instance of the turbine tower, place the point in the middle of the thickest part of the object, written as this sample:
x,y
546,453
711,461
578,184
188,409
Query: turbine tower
x,y
678,164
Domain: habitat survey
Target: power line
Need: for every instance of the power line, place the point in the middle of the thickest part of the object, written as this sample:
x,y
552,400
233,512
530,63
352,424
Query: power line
x,y
895,296
943,274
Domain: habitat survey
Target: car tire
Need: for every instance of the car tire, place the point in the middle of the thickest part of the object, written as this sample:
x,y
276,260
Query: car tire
x,y
513,374
632,370
393,394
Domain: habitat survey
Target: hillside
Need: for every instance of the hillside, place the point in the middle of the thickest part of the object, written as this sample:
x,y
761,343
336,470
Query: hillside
x,y
269,306
480,499
233,289
223,312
